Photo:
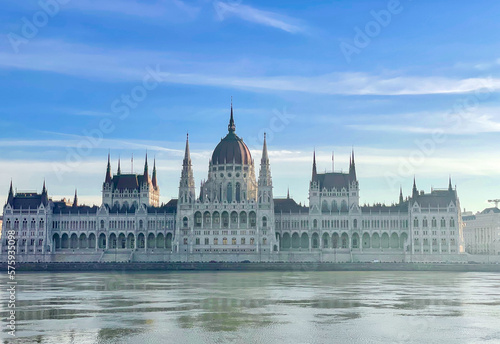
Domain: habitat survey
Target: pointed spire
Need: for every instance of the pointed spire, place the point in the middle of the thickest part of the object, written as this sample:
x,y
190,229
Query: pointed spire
x,y
119,169
401,200
333,162
187,186
265,167
155,183
146,170
45,196
288,193
108,170
450,188
314,172
10,198
75,200
415,190
187,153
231,127
265,157
352,167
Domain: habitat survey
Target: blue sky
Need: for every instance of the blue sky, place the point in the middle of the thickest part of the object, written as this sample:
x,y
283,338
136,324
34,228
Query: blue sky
x,y
413,86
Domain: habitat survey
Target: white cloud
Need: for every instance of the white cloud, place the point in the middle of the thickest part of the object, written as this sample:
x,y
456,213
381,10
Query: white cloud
x,y
465,121
250,14
119,65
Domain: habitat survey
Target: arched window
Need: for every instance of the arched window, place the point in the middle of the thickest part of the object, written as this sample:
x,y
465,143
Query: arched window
x,y
452,223
355,223
315,223
252,241
234,218
324,207
264,222
238,192
216,241
335,206
264,241
102,224
25,224
141,224
415,222
224,241
443,222
185,222
434,222
229,192
233,241
33,223
424,222
344,206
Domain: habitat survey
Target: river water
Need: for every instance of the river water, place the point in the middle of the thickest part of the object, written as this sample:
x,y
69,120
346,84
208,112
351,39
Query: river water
x,y
255,307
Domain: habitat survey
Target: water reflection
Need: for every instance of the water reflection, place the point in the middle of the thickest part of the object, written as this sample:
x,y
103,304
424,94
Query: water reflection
x,y
206,307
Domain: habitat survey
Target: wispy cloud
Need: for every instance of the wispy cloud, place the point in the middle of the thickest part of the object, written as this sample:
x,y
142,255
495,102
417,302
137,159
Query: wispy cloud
x,y
472,122
120,65
254,15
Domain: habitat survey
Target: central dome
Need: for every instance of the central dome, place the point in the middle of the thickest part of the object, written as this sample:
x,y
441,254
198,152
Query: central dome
x,y
231,148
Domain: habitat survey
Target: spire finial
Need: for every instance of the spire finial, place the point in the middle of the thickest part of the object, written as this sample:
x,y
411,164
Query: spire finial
x,y
288,193
10,198
108,170
314,172
415,191
231,127
154,181
265,157
119,169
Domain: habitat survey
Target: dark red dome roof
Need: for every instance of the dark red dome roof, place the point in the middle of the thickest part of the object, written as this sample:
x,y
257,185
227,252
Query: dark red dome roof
x,y
231,148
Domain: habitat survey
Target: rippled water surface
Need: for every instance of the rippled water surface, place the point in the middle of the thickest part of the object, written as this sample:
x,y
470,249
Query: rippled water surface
x,y
256,307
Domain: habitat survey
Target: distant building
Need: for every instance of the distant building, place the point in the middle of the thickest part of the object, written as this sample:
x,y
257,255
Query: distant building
x,y
235,217
482,231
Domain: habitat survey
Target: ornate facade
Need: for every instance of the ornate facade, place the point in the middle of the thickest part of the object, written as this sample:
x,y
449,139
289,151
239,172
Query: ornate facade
x,y
234,217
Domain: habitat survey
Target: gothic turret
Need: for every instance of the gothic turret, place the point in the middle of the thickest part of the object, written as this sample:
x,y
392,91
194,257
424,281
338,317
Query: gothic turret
x,y
107,180
154,181
187,187
75,200
10,198
352,168
45,196
401,200
450,188
146,171
265,184
265,168
314,171
415,190
119,169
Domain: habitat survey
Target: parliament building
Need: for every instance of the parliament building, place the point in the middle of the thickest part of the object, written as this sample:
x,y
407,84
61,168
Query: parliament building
x,y
233,218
